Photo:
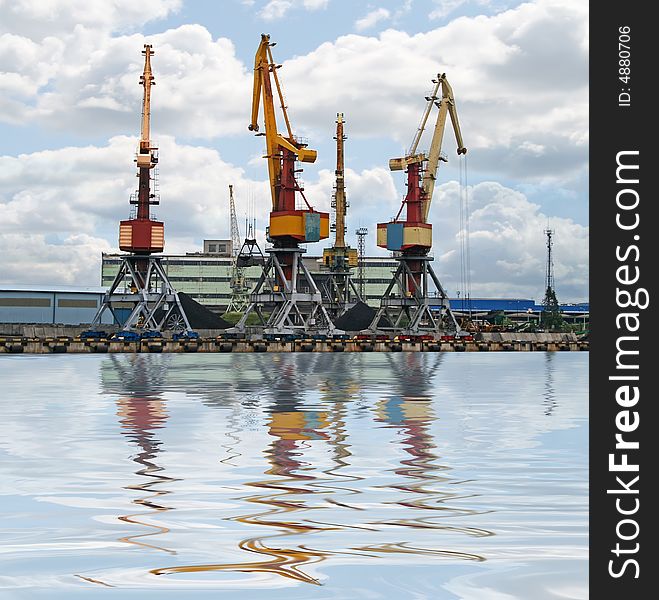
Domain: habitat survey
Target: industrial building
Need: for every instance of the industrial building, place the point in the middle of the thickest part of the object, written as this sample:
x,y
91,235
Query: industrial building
x,y
53,305
206,276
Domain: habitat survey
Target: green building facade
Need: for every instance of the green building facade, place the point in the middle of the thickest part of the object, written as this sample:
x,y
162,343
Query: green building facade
x,y
206,277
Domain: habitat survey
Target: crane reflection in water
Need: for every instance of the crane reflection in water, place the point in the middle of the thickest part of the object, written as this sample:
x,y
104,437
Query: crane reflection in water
x,y
283,380
307,397
137,381
425,483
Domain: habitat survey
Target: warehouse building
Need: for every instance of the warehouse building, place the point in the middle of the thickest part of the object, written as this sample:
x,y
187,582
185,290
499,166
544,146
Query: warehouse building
x,y
64,305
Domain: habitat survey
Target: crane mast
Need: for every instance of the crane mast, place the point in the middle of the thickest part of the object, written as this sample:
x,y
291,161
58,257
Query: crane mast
x,y
340,203
338,289
141,280
340,256
239,289
235,232
142,234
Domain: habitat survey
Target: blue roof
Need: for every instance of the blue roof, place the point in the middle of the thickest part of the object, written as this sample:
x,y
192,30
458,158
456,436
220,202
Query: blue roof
x,y
511,305
487,304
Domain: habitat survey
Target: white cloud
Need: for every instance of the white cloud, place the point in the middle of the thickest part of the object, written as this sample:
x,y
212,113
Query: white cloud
x,y
369,192
444,8
275,9
36,19
315,4
507,244
74,206
405,8
372,18
93,82
62,221
516,120
31,258
505,86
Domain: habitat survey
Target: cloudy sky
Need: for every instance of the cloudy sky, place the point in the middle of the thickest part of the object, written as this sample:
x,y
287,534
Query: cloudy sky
x,y
70,116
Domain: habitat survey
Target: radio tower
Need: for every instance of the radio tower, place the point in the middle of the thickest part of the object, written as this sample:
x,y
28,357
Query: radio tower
x,y
239,290
551,314
156,305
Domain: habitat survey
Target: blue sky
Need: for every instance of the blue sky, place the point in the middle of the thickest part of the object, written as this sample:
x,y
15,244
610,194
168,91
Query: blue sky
x,y
69,119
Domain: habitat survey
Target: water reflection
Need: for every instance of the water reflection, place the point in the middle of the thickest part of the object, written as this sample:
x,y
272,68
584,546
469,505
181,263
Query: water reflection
x,y
139,380
306,398
409,411
549,394
365,472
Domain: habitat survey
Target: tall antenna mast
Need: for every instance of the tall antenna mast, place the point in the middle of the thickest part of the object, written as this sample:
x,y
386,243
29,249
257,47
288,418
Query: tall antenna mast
x,y
551,313
549,272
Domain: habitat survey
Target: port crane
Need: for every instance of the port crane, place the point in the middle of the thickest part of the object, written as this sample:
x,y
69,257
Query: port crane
x,y
239,288
405,305
286,297
338,289
143,281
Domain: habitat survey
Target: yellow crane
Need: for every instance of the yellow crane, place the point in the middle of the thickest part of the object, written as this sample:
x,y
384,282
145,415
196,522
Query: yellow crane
x,y
340,256
285,299
287,224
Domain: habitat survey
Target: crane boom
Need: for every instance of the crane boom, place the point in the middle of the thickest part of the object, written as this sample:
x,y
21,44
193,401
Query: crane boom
x,y
446,104
414,233
424,119
288,224
276,143
147,80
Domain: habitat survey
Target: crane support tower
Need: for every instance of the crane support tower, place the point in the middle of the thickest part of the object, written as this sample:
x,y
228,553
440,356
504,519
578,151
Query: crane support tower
x,y
338,289
141,281
239,290
406,305
285,298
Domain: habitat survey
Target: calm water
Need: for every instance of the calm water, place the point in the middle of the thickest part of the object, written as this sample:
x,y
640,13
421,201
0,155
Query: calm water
x,y
296,476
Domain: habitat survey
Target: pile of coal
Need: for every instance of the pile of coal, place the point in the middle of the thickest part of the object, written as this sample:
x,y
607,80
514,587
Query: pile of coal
x,y
199,316
357,318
